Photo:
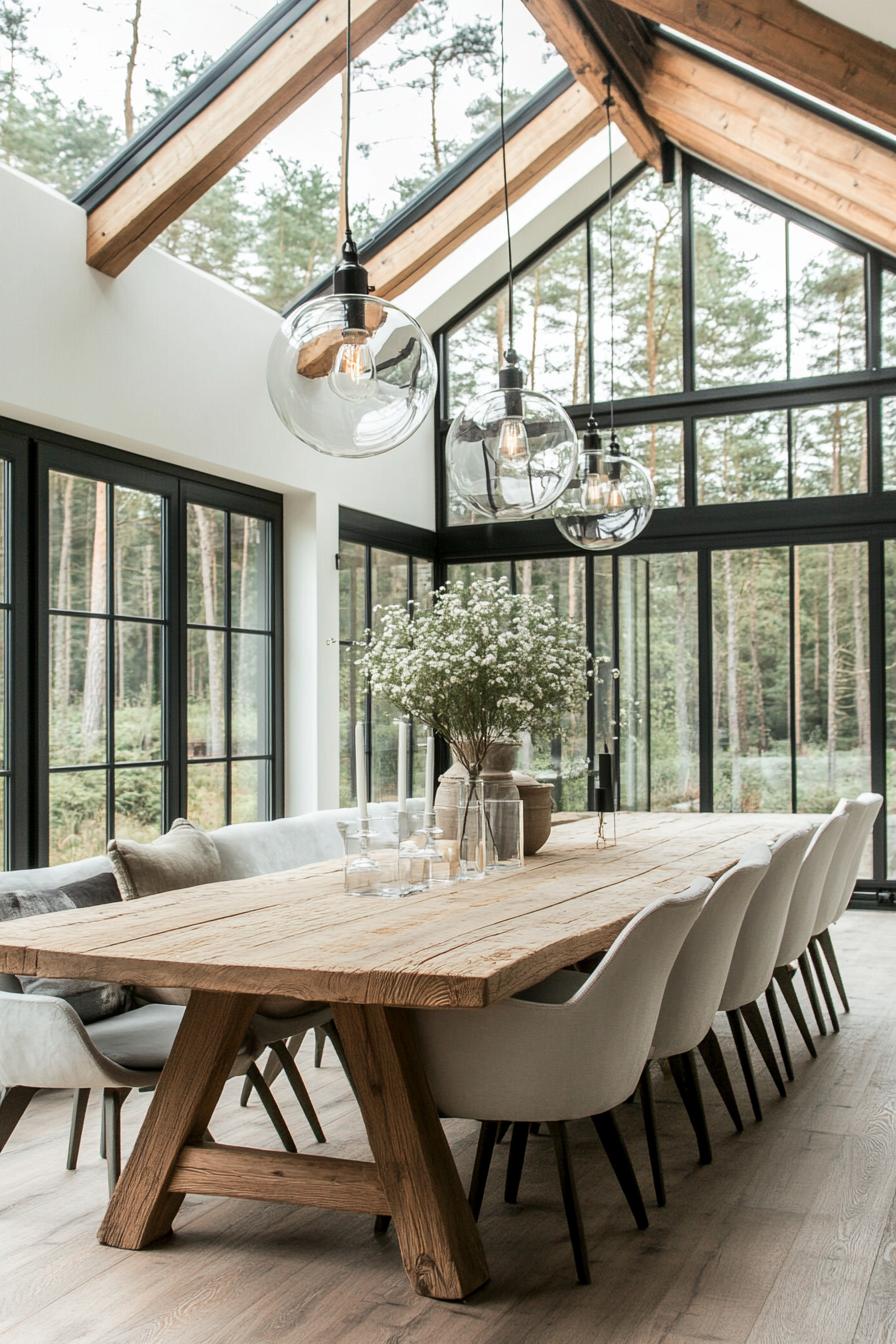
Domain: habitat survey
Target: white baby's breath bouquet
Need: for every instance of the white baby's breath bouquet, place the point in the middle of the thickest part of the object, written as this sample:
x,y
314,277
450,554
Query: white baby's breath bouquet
x,y
481,666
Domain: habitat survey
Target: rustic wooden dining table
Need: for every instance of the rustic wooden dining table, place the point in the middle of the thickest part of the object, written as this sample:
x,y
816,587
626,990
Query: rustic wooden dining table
x,y
298,934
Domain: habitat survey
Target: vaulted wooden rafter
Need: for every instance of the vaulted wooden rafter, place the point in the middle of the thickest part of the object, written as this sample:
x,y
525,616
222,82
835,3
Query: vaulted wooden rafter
x,y
792,42
591,44
222,133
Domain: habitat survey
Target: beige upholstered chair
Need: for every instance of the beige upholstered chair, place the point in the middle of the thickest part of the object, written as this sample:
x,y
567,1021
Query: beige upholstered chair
x,y
531,1059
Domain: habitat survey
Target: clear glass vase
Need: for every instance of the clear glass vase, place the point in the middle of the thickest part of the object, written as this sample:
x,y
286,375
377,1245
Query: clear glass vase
x,y
471,830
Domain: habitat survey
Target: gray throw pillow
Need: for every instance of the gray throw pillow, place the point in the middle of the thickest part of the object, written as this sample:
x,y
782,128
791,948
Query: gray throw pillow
x,y
101,889
91,999
185,857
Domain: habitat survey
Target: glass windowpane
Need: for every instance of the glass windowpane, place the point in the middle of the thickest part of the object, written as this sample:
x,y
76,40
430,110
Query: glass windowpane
x,y
351,711
475,351
659,448
551,321
78,543
77,814
250,542
207,794
138,552
888,441
888,318
77,690
138,691
830,449
250,708
674,682
751,680
206,693
827,305
250,785
138,803
205,565
742,457
634,727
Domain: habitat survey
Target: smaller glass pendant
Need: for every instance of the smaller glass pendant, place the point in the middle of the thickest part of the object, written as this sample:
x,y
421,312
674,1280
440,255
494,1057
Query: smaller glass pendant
x,y
610,500
510,453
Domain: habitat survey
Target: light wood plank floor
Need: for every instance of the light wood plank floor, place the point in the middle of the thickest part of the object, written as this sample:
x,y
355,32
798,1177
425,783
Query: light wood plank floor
x,y
790,1236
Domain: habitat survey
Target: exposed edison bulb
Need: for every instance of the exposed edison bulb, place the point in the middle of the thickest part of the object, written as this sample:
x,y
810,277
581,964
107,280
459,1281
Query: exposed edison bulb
x,y
513,442
354,368
615,497
594,491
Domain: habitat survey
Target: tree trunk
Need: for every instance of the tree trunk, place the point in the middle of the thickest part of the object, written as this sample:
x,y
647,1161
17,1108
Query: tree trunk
x,y
217,709
433,121
134,21
833,669
797,656
860,642
536,302
62,652
759,699
93,703
682,680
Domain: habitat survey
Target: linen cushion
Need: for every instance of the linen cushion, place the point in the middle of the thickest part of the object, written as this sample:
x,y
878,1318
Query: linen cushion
x,y
141,1039
185,857
91,999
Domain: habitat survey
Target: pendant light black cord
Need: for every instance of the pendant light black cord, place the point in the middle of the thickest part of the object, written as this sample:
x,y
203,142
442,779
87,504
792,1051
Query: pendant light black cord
x,y
506,198
608,104
347,128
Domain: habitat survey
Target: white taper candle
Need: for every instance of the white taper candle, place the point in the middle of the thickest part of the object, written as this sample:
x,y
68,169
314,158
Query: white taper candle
x,y
360,771
402,765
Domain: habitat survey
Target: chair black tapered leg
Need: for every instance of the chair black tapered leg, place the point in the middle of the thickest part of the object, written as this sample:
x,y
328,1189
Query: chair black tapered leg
x,y
113,1100
297,1083
616,1151
774,1012
488,1137
320,1041
273,1066
80,1098
756,1025
502,1130
266,1097
684,1074
818,966
809,981
570,1200
381,1224
784,981
12,1108
648,1112
826,944
515,1160
714,1060
246,1092
746,1064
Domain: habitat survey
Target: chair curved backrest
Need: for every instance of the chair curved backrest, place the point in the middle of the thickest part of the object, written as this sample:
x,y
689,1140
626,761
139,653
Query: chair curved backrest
x,y
844,864
525,1060
871,804
756,950
43,1043
694,988
809,887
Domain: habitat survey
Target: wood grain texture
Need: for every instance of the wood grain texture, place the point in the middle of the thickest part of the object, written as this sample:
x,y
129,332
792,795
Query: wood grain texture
x,y
287,1178
623,43
764,139
468,945
143,1207
532,152
181,170
795,43
440,1245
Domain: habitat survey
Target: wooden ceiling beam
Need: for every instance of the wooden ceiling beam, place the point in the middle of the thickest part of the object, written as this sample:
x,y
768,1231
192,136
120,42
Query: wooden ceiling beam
x,y
785,149
301,61
592,37
567,122
784,38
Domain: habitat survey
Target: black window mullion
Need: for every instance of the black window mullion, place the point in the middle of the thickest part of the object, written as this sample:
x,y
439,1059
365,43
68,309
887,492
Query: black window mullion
x,y
793,689
111,658
877,690
228,676
590,706
174,666
705,674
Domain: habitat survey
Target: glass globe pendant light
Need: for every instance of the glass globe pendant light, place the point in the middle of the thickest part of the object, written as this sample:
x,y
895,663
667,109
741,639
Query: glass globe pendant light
x,y
611,498
511,452
351,374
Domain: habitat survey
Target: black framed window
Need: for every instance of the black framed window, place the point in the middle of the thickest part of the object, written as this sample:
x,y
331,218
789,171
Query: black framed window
x,y
103,615
399,568
753,623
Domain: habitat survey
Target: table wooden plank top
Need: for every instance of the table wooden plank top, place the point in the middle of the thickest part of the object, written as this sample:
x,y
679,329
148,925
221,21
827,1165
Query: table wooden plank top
x,y
298,934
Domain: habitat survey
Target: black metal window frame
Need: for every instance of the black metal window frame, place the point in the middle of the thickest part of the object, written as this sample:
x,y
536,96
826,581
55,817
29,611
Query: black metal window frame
x,y
416,545
28,455
703,529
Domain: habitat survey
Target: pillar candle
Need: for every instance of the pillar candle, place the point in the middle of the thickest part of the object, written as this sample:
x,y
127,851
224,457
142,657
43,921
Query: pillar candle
x,y
430,766
402,765
360,771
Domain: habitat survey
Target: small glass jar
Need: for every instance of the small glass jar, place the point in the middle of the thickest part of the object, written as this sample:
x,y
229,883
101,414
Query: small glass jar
x,y
503,834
